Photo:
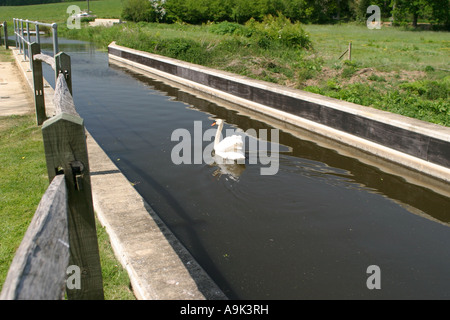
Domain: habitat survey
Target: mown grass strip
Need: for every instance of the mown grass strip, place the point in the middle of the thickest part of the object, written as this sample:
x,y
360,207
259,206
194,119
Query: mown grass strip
x,y
23,181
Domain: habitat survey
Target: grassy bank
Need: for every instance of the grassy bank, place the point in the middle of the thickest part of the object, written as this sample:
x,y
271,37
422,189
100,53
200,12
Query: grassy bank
x,y
405,72
23,181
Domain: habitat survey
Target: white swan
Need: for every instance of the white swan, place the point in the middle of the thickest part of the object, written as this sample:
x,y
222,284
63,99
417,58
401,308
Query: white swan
x,y
230,147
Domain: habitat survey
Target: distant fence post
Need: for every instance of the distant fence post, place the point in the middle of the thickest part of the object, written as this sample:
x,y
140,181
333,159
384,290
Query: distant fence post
x,y
66,151
349,51
38,84
5,30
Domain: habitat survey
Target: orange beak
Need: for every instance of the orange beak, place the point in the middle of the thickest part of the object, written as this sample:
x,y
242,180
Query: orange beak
x,y
213,124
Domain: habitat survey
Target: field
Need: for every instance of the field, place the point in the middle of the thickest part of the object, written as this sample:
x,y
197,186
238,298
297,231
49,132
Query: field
x,y
56,12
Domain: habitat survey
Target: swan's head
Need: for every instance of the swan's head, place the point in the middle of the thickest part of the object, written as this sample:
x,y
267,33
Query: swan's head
x,y
217,122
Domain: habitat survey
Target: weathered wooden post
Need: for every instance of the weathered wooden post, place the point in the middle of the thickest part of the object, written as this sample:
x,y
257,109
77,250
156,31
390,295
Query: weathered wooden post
x,y
5,30
38,84
62,65
5,27
349,51
66,151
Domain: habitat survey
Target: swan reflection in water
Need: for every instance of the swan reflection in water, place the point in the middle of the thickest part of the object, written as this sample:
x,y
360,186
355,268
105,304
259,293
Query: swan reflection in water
x,y
227,167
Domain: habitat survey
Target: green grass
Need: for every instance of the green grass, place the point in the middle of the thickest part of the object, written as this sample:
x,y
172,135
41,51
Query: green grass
x,y
116,283
385,68
23,181
57,12
5,55
387,49
22,184
405,72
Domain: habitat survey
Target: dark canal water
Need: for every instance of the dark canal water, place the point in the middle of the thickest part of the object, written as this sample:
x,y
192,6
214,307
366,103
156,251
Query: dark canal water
x,y
308,232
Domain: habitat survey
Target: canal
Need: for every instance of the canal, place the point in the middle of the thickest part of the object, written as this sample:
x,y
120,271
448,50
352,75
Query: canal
x,y
310,231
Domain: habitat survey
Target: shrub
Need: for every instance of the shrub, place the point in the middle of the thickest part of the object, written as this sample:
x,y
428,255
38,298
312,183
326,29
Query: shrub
x,y
183,49
244,10
198,11
279,29
231,28
139,10
348,72
374,77
428,89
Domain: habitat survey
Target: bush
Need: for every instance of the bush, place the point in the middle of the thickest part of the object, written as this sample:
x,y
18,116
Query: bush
x,y
139,10
280,30
229,28
244,10
198,11
178,48
428,89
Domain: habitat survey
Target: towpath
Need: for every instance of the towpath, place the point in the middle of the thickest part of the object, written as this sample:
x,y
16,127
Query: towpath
x,y
15,98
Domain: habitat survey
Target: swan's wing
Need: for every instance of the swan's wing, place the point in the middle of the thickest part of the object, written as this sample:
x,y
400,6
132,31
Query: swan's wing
x,y
230,144
231,155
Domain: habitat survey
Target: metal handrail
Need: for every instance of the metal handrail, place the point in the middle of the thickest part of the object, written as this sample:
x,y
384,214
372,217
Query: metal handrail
x,y
21,40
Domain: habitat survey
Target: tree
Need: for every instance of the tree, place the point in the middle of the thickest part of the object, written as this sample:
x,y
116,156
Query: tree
x,y
416,8
440,12
436,11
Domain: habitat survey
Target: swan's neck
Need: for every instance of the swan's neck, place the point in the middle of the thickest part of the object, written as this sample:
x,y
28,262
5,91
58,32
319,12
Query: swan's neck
x,y
218,134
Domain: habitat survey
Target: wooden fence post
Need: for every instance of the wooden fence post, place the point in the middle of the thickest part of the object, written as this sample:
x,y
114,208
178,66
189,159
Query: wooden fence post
x,y
349,51
66,150
5,29
5,26
62,65
38,85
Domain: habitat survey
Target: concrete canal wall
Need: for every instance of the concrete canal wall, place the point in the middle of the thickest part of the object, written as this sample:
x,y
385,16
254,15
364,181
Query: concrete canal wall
x,y
414,144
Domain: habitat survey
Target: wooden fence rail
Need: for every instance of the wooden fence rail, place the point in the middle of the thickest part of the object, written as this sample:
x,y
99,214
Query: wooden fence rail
x,y
66,156
39,266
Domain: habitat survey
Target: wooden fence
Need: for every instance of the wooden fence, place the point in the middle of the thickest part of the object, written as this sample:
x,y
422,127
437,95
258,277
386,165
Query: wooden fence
x,y
62,233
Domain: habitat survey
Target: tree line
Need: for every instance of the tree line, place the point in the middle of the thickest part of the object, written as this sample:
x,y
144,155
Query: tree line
x,y
436,12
